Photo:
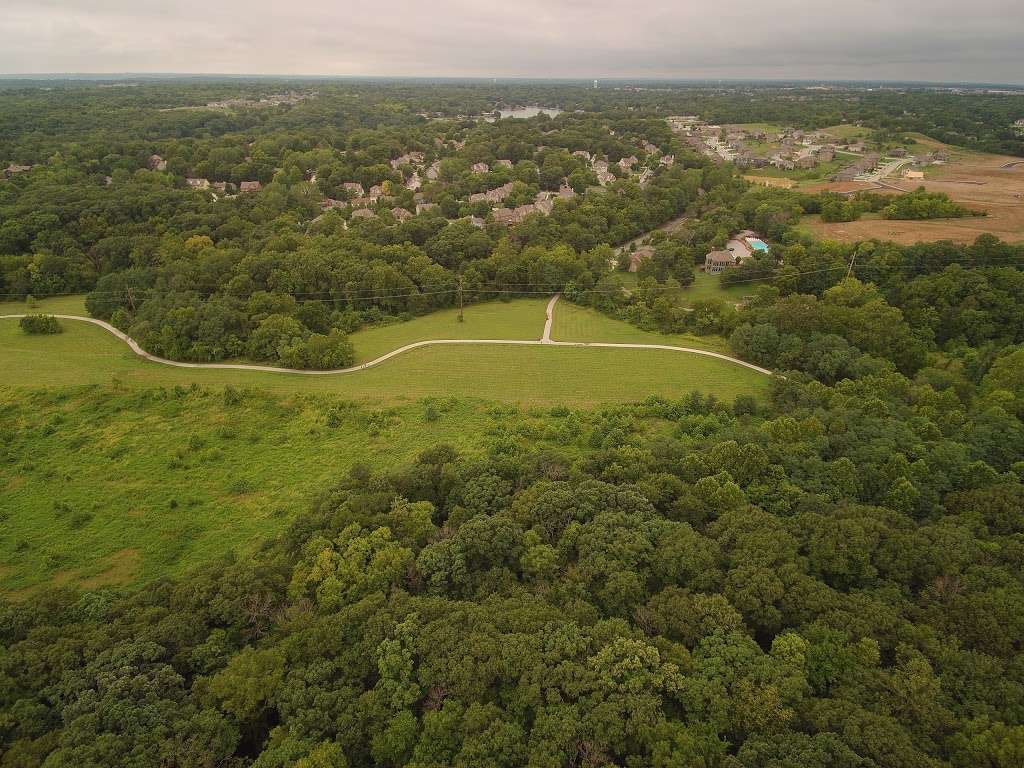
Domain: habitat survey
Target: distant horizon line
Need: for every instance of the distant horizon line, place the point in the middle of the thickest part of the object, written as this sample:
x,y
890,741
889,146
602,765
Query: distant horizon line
x,y
496,78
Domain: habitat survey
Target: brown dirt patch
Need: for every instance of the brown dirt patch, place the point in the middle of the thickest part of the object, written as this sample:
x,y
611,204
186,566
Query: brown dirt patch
x,y
976,180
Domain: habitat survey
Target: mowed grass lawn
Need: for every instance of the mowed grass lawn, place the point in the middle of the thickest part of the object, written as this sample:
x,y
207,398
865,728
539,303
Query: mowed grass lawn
x,y
516,319
57,305
703,288
86,354
107,485
575,323
706,287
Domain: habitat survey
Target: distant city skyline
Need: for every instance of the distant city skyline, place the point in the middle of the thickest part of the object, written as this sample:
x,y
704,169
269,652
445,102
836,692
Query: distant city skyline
x,y
916,40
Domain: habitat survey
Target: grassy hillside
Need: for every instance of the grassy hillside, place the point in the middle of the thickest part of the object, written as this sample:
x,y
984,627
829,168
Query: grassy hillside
x,y
575,323
107,485
59,305
85,354
517,319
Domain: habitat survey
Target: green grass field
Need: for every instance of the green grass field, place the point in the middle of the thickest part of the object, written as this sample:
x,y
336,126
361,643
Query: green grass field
x,y
754,127
58,305
103,485
847,131
705,287
818,173
86,354
517,319
86,426
574,323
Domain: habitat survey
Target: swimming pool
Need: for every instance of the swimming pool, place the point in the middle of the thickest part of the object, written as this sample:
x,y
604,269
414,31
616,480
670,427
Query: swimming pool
x,y
757,245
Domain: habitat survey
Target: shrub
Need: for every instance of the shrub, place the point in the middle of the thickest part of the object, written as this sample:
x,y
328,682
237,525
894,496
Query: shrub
x,y
35,324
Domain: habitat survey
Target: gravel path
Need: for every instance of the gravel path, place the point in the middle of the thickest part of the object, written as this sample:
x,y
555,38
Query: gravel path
x,y
545,340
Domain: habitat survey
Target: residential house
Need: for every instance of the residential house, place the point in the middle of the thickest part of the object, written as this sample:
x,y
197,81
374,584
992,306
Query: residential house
x,y
627,163
12,169
649,148
414,182
434,170
156,163
584,154
496,195
329,203
376,192
566,192
354,188
363,213
361,202
421,207
504,163
198,183
476,221
523,211
668,160
249,186
638,256
544,206
599,166
220,186
504,216
410,158
604,178
913,175
401,214
646,177
480,168
719,261
826,155
514,215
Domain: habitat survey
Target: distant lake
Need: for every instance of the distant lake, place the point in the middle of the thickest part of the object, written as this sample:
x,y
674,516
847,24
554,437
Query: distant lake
x,y
527,112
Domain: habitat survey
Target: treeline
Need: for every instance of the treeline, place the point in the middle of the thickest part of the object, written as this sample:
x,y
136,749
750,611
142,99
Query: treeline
x,y
829,579
918,204
40,118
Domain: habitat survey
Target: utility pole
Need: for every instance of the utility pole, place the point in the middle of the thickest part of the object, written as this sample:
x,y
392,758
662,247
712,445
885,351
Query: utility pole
x,y
461,318
131,298
853,258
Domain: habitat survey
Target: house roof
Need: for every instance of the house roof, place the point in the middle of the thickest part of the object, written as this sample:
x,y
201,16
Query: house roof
x,y
720,257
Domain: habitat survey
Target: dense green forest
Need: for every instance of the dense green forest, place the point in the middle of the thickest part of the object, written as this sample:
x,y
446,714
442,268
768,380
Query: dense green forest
x,y
831,576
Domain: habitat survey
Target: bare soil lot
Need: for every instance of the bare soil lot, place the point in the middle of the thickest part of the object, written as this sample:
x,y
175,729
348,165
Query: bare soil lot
x,y
991,183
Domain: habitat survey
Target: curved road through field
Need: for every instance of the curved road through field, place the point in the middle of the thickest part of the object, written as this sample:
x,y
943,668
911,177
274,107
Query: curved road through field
x,y
545,340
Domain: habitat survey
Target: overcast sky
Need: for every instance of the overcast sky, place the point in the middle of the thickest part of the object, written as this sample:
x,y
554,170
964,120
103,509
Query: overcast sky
x,y
936,40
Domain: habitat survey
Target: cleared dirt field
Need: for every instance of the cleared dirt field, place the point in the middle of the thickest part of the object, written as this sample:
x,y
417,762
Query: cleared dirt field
x,y
991,183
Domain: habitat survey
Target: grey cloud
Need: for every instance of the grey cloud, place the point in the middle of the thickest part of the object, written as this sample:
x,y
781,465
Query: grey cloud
x,y
877,39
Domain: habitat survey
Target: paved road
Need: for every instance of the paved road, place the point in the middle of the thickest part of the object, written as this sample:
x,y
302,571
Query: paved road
x,y
545,340
886,170
549,317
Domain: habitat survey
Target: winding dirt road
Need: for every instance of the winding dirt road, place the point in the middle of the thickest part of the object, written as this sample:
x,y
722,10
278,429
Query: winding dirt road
x,y
545,340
